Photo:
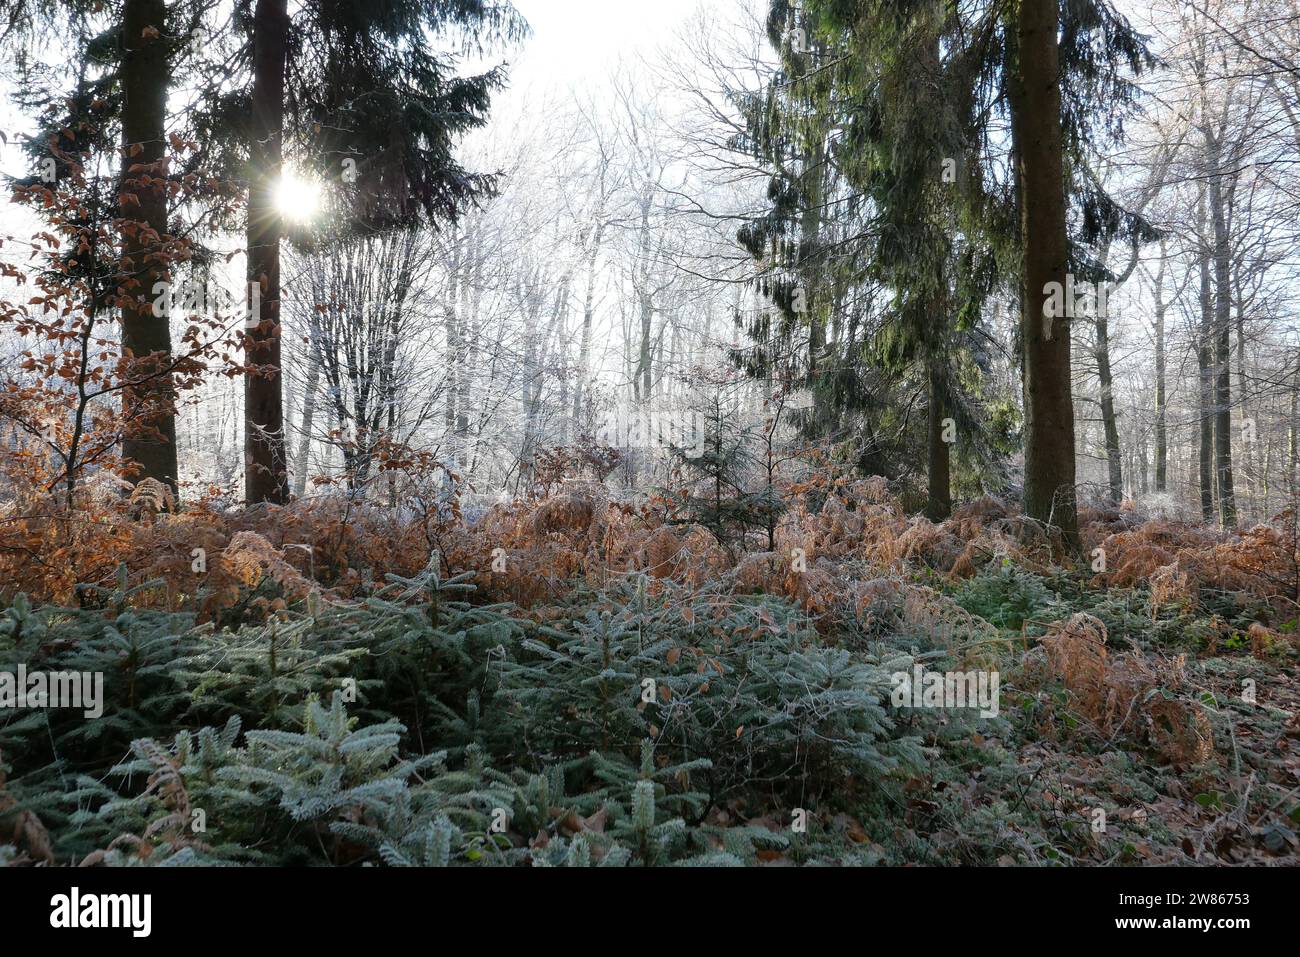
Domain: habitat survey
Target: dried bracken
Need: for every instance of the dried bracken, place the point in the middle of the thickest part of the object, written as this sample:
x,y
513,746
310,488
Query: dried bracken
x,y
249,558
150,496
947,625
1179,561
1170,586
1127,693
28,832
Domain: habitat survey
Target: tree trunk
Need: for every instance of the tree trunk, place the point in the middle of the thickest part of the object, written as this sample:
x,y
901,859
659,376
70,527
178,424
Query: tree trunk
x,y
530,306
809,274
644,380
1109,424
453,345
1249,446
265,466
939,470
1049,407
308,415
1143,462
1293,440
466,341
1222,349
145,78
1205,369
588,318
1162,438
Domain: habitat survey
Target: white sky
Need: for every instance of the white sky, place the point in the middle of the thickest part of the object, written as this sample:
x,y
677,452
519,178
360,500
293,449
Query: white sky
x,y
11,124
576,41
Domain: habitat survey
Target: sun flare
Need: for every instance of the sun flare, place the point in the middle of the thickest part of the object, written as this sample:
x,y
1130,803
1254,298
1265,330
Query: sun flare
x,y
297,198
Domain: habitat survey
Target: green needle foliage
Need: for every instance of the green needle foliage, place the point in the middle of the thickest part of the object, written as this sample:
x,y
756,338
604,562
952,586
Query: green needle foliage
x,y
454,733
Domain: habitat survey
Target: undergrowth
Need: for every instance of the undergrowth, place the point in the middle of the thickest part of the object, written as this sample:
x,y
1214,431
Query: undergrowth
x,y
646,700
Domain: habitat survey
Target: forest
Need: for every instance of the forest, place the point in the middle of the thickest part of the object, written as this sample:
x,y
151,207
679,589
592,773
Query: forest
x,y
742,433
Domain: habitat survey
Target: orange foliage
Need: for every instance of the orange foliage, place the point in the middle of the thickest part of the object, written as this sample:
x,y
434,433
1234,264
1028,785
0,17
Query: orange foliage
x,y
842,548
1178,560
1130,691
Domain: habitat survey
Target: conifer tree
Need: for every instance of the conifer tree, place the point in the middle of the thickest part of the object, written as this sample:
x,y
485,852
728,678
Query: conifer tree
x,y
980,83
884,129
719,470
145,77
121,63
360,95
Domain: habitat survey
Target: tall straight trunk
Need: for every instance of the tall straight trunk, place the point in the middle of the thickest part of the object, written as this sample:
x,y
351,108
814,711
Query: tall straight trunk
x,y
1293,443
1293,439
644,380
1049,408
560,337
308,418
530,306
392,474
1143,463
467,341
1266,463
809,244
939,470
1222,348
1162,438
452,385
645,357
1249,449
475,433
145,79
1109,425
265,467
1205,375
588,317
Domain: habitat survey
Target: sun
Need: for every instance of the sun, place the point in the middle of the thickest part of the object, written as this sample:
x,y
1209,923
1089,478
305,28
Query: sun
x,y
298,198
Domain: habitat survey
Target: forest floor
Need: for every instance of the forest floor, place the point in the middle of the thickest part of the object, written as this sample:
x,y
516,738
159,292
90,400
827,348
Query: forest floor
x,y
577,680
